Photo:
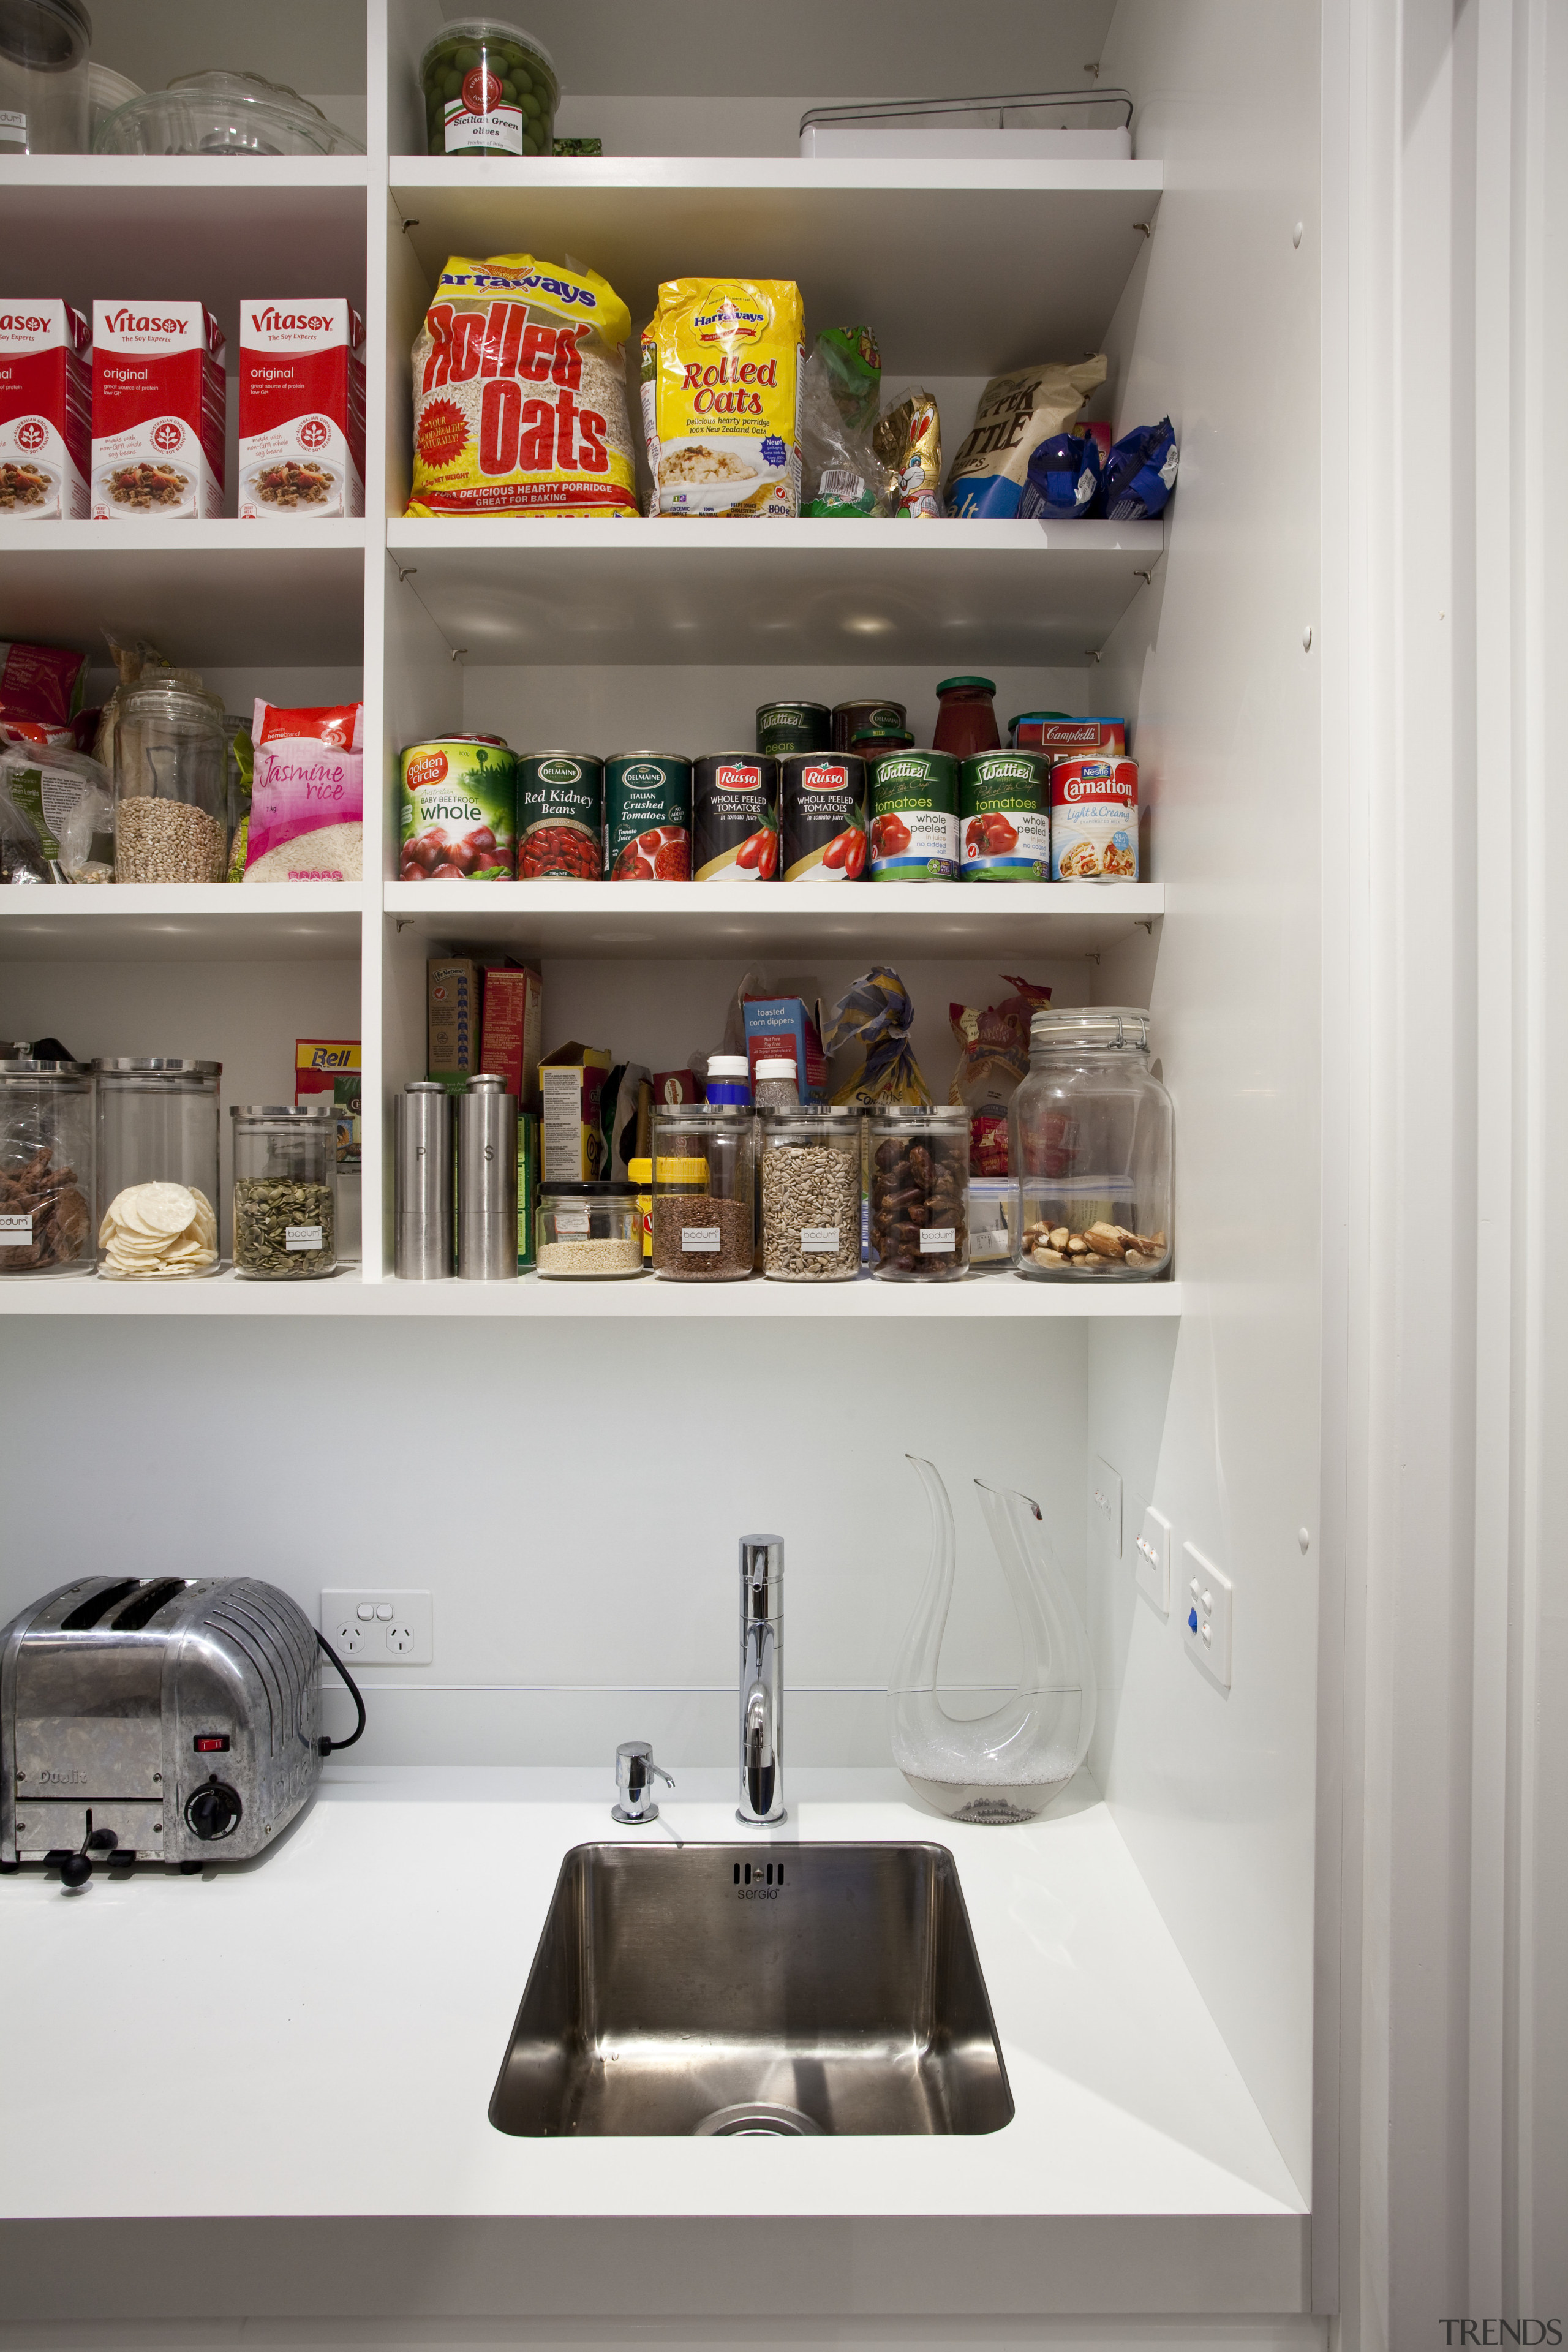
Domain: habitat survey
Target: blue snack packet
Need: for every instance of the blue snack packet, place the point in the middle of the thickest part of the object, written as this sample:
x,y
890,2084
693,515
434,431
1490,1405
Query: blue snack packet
x,y
1140,473
1063,478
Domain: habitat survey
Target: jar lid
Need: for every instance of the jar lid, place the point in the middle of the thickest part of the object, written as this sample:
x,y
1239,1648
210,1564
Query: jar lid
x,y
1054,717
986,684
680,1171
729,1065
1111,1026
30,1069
597,1188
319,1112
945,1113
791,1112
155,1066
488,1082
60,33
485,28
640,1171
777,1066
704,1114
424,1087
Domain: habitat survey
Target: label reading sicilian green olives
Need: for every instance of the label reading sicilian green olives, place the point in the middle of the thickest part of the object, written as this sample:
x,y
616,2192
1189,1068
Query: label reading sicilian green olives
x,y
486,95
1005,806
914,820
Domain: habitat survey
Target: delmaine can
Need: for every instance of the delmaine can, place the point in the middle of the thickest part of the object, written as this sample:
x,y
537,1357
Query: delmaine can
x,y
914,817
456,820
735,818
1005,807
647,817
793,727
822,816
560,816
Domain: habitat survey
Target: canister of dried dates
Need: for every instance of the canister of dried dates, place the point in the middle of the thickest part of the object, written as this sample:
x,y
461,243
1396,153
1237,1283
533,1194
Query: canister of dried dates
x,y
735,818
1094,821
920,1192
822,814
914,817
647,817
1005,812
560,816
793,727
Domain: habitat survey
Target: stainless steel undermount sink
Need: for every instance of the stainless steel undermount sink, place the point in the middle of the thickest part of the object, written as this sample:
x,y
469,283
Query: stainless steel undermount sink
x,y
760,1989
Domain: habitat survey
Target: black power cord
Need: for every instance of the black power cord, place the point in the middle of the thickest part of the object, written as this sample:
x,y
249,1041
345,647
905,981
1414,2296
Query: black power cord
x,y
330,1747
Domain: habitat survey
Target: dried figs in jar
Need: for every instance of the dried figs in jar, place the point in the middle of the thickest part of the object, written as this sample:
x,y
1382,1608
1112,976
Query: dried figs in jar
x,y
920,1180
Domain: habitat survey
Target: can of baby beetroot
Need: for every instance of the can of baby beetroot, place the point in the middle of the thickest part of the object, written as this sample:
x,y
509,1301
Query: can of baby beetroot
x,y
822,816
647,817
457,818
1005,812
914,817
735,818
560,816
793,726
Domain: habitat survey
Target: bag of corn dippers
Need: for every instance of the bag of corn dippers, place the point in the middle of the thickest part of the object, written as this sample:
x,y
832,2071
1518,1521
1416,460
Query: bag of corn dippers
x,y
520,396
721,388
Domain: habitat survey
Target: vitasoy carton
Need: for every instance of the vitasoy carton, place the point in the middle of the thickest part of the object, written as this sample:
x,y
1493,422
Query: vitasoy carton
x,y
157,411
301,409
46,412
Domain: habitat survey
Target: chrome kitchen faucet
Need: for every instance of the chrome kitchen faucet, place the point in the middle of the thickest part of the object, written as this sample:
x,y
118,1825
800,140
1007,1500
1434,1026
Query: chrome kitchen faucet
x,y
762,1680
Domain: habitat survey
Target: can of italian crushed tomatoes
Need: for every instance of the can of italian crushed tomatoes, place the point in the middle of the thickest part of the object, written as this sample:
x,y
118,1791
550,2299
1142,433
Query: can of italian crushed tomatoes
x,y
647,817
1094,821
1005,812
822,816
735,818
560,816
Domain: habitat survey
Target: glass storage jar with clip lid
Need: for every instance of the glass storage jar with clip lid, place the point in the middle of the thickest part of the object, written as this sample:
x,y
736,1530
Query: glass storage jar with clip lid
x,y
920,1192
171,781
285,1191
45,1167
157,1168
1088,1135
704,1201
811,1193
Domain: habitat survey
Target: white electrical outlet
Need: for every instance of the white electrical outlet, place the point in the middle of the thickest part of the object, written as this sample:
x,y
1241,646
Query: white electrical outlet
x,y
1105,1494
380,1628
1152,1560
1205,1615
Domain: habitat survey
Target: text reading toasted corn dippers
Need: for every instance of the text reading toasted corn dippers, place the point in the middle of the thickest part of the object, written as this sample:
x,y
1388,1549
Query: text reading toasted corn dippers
x,y
721,376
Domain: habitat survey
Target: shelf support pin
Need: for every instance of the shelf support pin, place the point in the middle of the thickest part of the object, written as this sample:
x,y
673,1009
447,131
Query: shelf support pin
x,y
1144,923
1146,577
411,573
1145,228
458,651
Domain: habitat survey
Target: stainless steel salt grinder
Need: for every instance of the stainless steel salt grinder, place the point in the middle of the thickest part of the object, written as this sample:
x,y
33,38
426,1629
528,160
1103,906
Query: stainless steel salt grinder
x,y
487,1181
762,1680
424,1241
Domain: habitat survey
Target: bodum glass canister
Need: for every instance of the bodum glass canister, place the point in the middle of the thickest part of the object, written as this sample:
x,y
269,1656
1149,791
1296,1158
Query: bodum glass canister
x,y
157,1168
810,1192
920,1192
1088,1136
171,781
46,1168
704,1193
487,1181
45,107
425,1236
285,1191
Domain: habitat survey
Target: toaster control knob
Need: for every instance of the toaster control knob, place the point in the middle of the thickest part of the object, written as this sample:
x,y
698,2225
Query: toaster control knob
x,y
212,1811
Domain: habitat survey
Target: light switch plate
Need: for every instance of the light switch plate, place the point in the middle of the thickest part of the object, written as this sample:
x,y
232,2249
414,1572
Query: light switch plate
x,y
1205,1615
380,1625
1105,1494
1152,1560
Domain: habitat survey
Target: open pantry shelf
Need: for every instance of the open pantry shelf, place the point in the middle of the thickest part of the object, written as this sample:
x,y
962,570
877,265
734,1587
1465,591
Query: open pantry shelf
x,y
951,594
197,922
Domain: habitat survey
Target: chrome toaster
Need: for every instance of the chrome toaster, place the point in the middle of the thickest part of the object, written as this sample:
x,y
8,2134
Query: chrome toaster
x,y
163,1719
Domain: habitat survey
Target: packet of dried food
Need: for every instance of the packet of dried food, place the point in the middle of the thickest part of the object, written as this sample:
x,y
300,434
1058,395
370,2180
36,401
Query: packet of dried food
x,y
42,687
908,437
66,801
993,1061
851,360
306,794
1015,414
130,656
520,396
877,1014
722,361
22,857
844,477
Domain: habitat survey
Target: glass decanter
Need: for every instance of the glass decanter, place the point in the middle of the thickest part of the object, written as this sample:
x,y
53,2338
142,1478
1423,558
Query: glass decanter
x,y
1008,1765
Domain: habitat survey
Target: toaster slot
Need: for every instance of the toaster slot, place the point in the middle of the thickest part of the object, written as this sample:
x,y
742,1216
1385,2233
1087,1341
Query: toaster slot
x,y
140,1612
97,1606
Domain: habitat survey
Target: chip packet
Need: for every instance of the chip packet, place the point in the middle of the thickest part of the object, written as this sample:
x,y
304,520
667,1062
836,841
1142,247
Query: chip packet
x,y
877,1014
1015,414
722,361
993,1061
1063,481
1140,473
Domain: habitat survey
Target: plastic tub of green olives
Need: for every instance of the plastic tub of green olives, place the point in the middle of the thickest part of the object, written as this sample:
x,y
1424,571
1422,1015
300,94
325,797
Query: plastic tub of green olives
x,y
519,119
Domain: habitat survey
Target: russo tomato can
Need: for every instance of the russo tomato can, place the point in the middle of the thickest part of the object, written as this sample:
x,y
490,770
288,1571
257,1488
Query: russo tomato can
x,y
822,816
1094,821
914,817
735,818
456,820
1004,815
647,817
793,727
560,816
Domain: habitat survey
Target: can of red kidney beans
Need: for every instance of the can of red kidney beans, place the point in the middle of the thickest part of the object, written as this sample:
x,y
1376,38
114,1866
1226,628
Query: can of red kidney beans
x,y
1004,816
914,817
1094,821
822,816
560,816
647,817
735,818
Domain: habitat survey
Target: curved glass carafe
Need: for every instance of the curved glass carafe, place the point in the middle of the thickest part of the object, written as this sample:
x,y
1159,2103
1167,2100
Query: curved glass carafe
x,y
1008,1765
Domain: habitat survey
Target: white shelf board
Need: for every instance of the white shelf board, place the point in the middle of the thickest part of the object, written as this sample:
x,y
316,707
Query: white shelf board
x,y
666,589
898,243
222,592
196,922
685,920
979,1298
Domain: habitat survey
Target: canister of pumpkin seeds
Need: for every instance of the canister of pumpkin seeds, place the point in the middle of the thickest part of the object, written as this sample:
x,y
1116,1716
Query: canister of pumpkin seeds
x,y
487,1181
424,1238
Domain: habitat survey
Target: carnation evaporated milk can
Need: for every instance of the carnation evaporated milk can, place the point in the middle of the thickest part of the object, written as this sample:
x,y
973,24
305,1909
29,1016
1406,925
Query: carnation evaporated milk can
x,y
1094,821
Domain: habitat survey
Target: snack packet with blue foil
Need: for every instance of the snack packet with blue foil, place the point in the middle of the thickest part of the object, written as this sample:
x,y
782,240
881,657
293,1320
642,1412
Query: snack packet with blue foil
x,y
1140,473
877,1014
1063,479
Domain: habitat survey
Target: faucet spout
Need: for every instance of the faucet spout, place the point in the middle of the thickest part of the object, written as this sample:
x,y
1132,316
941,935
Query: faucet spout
x,y
762,1680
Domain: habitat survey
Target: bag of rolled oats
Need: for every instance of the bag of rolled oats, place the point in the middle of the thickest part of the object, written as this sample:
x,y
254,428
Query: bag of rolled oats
x,y
520,396
721,363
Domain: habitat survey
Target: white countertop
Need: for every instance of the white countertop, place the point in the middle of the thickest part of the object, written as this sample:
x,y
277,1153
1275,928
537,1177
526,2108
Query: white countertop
x,y
318,2034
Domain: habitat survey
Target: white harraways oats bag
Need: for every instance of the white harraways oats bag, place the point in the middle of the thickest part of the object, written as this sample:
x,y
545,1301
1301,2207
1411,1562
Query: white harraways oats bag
x,y
520,396
722,361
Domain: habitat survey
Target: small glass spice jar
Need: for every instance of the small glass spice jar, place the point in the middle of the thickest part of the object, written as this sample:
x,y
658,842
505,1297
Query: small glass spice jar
x,y
1089,1140
157,1137
704,1205
966,718
810,1165
589,1230
920,1192
171,781
778,1085
46,1168
285,1191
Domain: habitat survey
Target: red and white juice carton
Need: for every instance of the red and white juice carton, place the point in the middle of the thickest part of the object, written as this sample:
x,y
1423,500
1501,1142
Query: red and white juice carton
x,y
158,402
46,412
301,409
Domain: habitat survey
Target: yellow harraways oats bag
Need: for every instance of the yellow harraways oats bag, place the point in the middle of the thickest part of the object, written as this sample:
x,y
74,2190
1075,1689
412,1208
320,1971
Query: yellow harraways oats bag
x,y
519,395
721,375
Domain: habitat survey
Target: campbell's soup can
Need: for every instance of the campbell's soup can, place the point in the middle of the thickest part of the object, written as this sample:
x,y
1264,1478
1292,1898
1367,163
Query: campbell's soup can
x,y
822,816
1006,817
1068,739
560,816
914,817
456,821
1094,821
647,817
735,818
852,719
793,727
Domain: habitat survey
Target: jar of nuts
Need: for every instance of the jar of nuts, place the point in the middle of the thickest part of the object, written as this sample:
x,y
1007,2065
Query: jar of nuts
x,y
920,1188
810,1192
1088,1136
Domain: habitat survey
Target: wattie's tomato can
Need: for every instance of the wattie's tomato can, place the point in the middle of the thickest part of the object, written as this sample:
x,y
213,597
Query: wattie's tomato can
x,y
914,817
1094,821
647,817
822,816
1004,817
735,818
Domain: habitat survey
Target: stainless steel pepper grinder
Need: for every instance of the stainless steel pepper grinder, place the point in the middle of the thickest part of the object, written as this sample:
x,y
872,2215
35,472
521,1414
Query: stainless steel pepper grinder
x,y
487,1181
423,1252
